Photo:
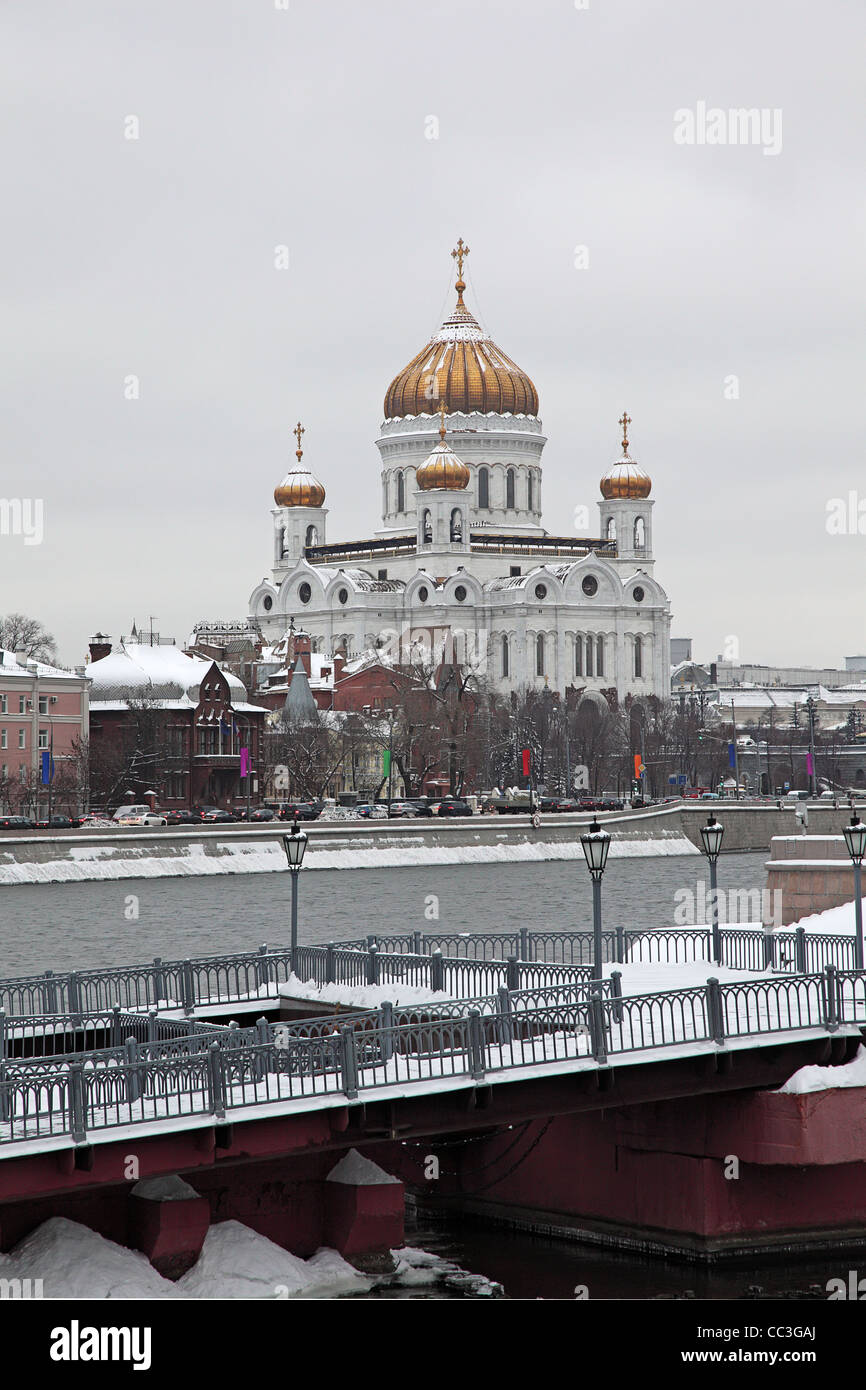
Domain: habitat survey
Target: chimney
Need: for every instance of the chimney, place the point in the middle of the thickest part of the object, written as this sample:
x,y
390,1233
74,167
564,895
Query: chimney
x,y
100,646
302,650
339,663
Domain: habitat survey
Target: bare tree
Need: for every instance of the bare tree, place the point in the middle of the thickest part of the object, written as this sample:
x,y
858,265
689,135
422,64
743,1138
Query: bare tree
x,y
20,633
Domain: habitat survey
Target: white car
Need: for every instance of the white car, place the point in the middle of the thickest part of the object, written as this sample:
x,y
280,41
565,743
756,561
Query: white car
x,y
134,815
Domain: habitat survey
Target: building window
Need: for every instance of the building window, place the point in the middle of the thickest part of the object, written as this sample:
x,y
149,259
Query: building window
x,y
541,591
267,603
384,496
3,739
505,663
305,593
22,705
22,738
401,493
639,534
484,489
529,489
427,527
456,525
638,656
460,593
539,654
578,656
589,647
610,529
43,704
4,705
509,489
43,738
590,585
312,536
599,657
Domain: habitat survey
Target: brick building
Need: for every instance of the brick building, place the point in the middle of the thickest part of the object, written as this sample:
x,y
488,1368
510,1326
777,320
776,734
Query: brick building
x,y
42,708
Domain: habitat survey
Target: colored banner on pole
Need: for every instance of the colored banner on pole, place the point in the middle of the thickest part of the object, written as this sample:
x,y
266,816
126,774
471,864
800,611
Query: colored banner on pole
x,y
47,768
525,755
386,762
638,765
809,768
732,755
245,762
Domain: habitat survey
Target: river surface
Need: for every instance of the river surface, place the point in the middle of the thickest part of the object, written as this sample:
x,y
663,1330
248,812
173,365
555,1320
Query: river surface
x,y
68,926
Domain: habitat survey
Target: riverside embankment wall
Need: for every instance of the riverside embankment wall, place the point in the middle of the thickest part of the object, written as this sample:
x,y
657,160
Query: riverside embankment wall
x,y
165,852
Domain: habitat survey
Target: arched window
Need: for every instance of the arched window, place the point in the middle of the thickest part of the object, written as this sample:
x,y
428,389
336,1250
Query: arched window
x,y
456,524
484,489
599,657
401,493
509,489
539,654
312,536
590,644
529,490
427,527
505,654
610,529
384,496
638,656
639,533
578,656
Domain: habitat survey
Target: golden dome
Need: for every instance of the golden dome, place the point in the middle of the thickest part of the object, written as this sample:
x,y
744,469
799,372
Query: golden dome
x,y
625,479
299,488
462,366
442,467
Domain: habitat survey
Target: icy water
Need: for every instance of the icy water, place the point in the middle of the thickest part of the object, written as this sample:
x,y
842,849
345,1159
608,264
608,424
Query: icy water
x,y
65,926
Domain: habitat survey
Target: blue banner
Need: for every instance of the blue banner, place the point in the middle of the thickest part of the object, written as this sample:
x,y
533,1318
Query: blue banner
x,y
732,755
47,768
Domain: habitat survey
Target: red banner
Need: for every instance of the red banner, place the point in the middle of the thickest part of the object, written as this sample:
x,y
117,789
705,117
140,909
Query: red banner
x,y
525,756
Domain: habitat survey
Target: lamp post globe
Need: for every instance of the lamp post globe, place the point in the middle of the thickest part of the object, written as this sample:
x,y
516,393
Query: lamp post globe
x,y
596,845
711,838
855,841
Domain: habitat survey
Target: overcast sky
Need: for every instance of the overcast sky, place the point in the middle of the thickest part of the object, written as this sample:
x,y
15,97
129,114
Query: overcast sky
x,y
307,126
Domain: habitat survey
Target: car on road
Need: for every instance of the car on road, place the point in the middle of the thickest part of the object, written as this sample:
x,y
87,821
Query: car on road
x,y
372,810
298,810
15,823
256,813
137,817
454,806
218,815
56,823
183,817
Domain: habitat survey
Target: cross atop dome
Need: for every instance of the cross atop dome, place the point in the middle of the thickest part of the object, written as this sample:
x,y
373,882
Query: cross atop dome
x,y
441,413
625,421
460,253
297,432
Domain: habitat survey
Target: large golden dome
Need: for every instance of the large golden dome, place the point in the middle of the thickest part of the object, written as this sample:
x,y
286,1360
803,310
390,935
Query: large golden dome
x,y
625,479
299,488
462,366
442,467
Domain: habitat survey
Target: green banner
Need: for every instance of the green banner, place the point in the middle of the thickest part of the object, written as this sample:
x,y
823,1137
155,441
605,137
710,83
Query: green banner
x,y
386,762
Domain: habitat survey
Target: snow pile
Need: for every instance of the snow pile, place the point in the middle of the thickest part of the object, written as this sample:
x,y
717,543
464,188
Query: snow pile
x,y
74,1262
359,996
836,921
168,1189
237,1262
356,1171
808,1079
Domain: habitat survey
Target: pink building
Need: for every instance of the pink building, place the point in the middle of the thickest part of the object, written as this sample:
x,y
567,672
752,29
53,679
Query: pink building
x,y
42,708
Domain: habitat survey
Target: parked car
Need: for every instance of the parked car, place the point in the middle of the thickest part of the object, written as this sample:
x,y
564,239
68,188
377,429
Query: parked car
x,y
404,808
298,810
123,811
56,823
183,817
218,815
372,810
567,803
453,806
140,818
15,823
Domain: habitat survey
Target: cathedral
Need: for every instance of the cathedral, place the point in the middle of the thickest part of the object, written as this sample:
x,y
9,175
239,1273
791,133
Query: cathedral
x,y
462,568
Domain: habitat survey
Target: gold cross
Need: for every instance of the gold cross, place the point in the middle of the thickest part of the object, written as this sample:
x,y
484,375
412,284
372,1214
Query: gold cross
x,y
297,432
625,421
459,253
442,409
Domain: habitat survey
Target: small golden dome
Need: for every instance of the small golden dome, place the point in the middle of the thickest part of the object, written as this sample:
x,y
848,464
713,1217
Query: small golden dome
x,y
299,488
625,479
442,467
462,366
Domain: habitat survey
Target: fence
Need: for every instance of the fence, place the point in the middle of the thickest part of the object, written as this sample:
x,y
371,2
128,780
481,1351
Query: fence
x,y
249,1067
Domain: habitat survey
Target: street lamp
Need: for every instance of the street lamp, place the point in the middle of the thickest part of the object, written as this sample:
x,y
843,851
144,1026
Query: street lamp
x,y
596,844
711,835
295,845
855,839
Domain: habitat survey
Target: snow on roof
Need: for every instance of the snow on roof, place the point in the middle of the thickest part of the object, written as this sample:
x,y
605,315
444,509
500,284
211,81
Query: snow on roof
x,y
155,671
816,1078
356,1171
11,666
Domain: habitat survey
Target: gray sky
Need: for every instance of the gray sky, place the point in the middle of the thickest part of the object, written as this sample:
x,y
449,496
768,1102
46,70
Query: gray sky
x,y
306,127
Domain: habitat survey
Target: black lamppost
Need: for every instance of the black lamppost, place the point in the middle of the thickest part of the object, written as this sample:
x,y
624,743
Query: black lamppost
x,y
295,845
596,843
855,839
711,835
